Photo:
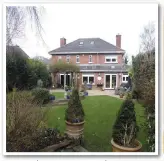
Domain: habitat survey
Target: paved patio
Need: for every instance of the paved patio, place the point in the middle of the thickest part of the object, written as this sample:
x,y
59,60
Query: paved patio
x,y
94,92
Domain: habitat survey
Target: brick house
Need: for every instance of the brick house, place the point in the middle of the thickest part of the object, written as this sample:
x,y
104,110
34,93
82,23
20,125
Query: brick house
x,y
100,62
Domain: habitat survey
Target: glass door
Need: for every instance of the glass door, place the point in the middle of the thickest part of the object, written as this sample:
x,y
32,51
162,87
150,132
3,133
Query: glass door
x,y
107,81
110,81
113,85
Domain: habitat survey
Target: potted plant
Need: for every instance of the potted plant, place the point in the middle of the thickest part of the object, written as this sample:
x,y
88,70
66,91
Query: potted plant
x,y
121,94
125,129
74,116
52,97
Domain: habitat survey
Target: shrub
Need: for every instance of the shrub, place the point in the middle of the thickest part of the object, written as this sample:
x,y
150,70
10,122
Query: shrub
x,y
74,112
38,71
25,127
23,73
41,95
16,70
22,119
144,90
128,95
125,127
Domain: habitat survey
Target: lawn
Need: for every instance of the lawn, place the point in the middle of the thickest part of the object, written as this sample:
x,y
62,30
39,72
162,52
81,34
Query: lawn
x,y
58,95
100,114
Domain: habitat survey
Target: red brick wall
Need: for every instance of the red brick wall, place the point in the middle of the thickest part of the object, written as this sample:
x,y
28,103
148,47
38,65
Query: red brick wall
x,y
84,59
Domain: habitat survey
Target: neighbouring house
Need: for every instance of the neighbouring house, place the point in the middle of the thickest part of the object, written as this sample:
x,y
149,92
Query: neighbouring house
x,y
16,50
101,63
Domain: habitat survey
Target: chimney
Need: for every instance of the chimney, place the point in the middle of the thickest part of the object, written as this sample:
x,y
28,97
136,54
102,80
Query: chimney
x,y
62,41
118,40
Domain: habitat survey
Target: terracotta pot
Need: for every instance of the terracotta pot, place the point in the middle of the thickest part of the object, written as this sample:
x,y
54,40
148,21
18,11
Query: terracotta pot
x,y
121,96
74,130
118,148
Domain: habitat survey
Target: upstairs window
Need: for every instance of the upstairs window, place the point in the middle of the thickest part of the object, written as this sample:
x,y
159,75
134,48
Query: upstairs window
x,y
67,58
110,59
77,59
125,78
90,58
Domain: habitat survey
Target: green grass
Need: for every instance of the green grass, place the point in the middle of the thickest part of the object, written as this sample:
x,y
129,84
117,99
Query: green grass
x,y
100,116
58,95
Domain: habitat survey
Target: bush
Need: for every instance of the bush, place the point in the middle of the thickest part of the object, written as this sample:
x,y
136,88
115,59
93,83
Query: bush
x,y
25,127
74,112
128,95
125,127
16,71
41,95
38,71
23,73
22,119
144,90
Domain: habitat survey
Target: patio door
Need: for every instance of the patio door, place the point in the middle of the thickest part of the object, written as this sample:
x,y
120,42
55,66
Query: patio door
x,y
110,81
65,79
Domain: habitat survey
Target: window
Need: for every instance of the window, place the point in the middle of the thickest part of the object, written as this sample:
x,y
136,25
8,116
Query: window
x,y
67,58
110,59
125,78
90,58
91,79
81,43
85,79
88,78
92,42
77,59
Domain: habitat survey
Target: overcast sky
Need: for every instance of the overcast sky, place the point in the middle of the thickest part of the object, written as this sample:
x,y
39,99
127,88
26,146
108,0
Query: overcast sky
x,y
74,21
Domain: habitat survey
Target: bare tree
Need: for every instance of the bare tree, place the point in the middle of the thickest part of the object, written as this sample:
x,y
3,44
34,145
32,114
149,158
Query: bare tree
x,y
16,18
148,38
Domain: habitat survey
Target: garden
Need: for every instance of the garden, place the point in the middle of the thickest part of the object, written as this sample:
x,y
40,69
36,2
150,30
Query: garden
x,y
95,123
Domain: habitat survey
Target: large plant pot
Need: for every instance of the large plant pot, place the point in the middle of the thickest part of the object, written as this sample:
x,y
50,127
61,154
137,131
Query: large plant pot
x,y
74,130
121,96
118,148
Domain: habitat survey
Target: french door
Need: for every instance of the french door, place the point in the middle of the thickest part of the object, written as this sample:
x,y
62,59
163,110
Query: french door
x,y
110,81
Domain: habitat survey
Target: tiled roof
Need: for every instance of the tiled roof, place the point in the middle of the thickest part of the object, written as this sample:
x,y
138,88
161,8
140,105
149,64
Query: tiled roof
x,y
87,45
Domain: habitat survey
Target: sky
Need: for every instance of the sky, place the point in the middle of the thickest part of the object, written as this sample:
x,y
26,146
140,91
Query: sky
x,y
74,21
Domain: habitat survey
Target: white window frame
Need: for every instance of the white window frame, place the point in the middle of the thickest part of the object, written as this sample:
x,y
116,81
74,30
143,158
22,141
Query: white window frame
x,y
111,57
67,58
88,75
124,76
90,57
77,57
110,80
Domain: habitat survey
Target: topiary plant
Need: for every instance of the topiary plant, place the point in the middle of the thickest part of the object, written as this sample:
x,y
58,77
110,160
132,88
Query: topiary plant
x,y
74,113
41,95
125,127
